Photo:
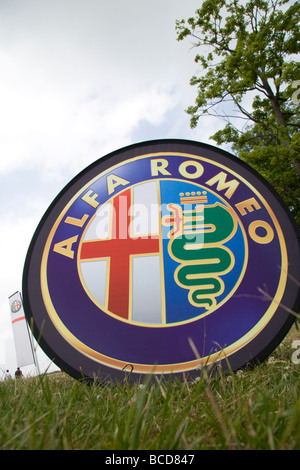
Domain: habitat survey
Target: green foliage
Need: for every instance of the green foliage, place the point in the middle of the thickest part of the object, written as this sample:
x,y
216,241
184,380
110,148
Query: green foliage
x,y
247,52
253,409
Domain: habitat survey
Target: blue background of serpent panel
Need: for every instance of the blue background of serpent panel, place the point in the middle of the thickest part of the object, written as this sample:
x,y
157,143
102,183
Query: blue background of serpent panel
x,y
178,307
168,345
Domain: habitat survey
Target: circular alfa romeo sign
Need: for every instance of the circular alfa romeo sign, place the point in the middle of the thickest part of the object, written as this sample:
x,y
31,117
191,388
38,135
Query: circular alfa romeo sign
x,y
161,258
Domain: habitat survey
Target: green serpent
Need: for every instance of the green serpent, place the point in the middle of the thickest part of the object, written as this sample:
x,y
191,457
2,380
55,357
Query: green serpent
x,y
202,263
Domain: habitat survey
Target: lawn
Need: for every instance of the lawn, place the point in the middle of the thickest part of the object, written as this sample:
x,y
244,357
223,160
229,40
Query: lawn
x,y
251,409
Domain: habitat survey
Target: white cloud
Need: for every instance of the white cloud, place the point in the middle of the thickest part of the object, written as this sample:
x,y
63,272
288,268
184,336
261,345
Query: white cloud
x,y
55,132
54,124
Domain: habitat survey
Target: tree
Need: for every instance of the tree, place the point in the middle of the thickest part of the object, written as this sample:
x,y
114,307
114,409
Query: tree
x,y
248,53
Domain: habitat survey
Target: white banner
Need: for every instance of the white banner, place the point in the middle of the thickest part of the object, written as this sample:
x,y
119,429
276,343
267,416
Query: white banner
x,y
22,339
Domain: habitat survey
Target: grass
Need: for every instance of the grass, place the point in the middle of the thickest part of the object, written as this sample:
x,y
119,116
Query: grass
x,y
255,409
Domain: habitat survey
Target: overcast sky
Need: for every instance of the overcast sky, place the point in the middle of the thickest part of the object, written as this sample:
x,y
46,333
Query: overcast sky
x,y
78,79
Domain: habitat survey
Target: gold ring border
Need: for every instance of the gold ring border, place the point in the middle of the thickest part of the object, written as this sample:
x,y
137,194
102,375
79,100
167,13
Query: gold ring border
x,y
169,368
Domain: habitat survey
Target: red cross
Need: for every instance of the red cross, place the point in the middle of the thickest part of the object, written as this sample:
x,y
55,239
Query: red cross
x,y
119,248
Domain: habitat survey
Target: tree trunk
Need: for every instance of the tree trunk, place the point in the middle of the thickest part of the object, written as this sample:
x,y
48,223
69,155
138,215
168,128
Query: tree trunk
x,y
280,119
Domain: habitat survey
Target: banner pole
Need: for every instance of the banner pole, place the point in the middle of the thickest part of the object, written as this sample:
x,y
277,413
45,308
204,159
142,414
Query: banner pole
x,y
23,344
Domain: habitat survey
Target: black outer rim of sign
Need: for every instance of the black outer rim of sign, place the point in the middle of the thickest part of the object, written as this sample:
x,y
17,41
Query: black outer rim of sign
x,y
265,342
